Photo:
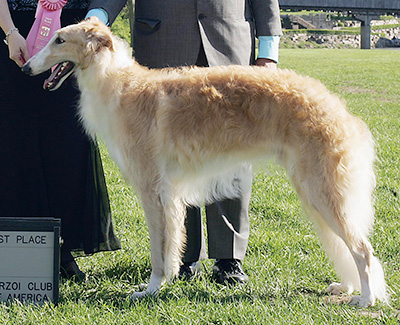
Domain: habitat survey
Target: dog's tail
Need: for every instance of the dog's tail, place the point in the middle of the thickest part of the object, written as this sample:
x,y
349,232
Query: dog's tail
x,y
358,178
338,195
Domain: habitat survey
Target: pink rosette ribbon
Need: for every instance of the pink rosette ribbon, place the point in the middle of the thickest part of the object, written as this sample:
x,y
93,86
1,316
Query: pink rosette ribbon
x,y
47,21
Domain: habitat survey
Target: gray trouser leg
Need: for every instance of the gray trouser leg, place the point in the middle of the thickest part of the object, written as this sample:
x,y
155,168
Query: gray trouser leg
x,y
195,242
228,229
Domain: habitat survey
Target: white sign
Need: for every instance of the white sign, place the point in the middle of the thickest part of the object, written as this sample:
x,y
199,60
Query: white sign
x,y
27,266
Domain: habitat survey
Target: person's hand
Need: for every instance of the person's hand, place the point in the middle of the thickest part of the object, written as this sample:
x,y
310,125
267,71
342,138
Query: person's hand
x,y
17,48
261,62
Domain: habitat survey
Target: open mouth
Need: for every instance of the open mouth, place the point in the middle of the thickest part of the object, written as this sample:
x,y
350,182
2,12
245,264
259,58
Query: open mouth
x,y
61,72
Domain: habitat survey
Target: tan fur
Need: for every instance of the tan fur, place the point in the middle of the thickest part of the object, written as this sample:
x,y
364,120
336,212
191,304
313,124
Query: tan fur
x,y
178,134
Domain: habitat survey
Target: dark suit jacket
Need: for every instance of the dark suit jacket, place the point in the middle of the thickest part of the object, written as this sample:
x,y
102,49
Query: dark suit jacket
x,y
170,32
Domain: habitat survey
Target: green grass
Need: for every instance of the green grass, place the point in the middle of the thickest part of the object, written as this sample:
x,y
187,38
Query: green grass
x,y
288,270
120,26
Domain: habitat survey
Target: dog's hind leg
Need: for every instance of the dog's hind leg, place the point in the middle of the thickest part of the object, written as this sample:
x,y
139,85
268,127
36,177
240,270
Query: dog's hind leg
x,y
352,255
354,262
352,198
339,198
341,256
371,275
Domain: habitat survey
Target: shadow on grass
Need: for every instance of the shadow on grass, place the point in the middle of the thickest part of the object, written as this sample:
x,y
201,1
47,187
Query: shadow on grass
x,y
115,285
134,273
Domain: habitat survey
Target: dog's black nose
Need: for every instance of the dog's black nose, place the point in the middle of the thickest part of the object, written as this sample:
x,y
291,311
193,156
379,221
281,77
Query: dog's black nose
x,y
26,69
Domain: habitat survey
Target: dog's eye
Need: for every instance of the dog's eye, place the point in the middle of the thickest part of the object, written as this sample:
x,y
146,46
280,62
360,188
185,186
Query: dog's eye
x,y
59,40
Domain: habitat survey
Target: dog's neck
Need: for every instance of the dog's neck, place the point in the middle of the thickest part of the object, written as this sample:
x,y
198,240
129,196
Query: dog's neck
x,y
105,64
99,85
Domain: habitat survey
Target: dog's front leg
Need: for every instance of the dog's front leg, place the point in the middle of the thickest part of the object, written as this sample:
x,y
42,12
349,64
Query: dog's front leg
x,y
175,237
156,225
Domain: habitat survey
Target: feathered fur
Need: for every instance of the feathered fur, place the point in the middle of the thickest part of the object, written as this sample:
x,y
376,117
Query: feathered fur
x,y
180,136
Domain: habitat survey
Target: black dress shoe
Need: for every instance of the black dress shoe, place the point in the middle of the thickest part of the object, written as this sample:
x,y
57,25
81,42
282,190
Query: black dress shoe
x,y
229,272
70,270
188,270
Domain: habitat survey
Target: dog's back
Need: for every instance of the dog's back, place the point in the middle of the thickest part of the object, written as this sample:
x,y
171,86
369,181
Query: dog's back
x,y
237,108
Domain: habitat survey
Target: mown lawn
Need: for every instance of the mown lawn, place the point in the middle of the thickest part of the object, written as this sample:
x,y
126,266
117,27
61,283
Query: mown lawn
x,y
288,270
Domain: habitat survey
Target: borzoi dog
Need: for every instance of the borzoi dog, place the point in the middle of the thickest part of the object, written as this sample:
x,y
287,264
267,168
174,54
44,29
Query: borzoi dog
x,y
178,136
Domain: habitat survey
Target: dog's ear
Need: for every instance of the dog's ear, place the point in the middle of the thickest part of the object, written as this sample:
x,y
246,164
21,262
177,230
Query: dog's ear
x,y
98,39
92,20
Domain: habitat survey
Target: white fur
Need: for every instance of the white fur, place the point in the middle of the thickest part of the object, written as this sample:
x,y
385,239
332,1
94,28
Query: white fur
x,y
185,136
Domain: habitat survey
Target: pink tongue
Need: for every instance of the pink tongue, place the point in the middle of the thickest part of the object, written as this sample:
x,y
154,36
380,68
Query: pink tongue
x,y
50,79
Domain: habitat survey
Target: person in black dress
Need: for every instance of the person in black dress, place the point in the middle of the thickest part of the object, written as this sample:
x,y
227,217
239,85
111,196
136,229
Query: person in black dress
x,y
48,166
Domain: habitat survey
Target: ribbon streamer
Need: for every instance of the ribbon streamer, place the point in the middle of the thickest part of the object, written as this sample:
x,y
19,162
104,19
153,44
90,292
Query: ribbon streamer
x,y
47,21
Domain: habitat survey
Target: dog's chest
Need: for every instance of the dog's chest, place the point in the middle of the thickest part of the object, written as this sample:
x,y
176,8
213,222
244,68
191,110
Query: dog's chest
x,y
99,120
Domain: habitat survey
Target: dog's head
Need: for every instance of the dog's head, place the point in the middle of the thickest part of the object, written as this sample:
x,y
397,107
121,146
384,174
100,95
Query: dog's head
x,y
72,47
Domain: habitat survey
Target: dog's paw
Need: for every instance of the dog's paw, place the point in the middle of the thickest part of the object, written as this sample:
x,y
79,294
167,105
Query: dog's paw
x,y
361,301
148,291
139,295
336,288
